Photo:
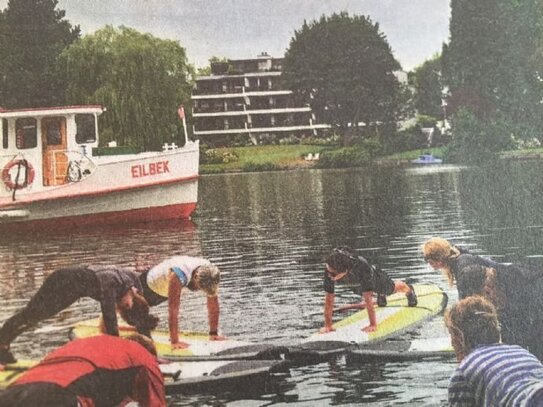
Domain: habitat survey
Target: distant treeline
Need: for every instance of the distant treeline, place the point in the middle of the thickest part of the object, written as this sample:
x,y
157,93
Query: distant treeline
x,y
487,82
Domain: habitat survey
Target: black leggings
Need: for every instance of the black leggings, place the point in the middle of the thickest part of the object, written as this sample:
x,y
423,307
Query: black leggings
x,y
59,290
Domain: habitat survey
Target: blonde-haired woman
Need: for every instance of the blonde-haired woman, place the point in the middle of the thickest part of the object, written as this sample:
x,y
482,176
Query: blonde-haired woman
x,y
452,260
490,373
165,281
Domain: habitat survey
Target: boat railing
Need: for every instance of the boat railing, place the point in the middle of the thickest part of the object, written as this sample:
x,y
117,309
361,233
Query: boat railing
x,y
72,165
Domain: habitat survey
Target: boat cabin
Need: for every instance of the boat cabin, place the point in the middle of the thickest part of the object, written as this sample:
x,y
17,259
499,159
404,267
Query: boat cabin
x,y
45,147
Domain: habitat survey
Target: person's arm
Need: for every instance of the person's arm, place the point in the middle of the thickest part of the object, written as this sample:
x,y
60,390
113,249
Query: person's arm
x,y
108,306
213,311
460,393
329,299
368,298
174,300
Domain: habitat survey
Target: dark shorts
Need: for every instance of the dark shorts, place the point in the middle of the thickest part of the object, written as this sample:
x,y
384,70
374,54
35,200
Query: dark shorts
x,y
151,297
383,284
37,394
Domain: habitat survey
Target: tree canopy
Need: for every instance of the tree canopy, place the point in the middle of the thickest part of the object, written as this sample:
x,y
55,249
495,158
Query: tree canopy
x,y
344,67
33,33
428,88
488,64
139,78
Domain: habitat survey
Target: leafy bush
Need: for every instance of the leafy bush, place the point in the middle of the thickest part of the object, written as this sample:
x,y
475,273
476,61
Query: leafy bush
x,y
344,158
477,140
253,167
328,140
120,150
213,156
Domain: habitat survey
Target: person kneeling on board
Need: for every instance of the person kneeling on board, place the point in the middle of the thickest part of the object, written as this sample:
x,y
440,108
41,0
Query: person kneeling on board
x,y
114,287
165,281
490,373
516,293
101,370
344,267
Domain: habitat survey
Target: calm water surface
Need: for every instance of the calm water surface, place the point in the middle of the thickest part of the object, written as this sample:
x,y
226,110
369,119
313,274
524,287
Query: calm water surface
x,y
270,232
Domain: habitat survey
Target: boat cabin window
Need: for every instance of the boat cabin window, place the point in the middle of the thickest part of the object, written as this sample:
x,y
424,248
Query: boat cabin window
x,y
86,128
5,134
26,134
53,132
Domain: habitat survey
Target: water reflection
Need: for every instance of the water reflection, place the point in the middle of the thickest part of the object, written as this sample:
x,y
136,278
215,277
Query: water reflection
x,y
270,232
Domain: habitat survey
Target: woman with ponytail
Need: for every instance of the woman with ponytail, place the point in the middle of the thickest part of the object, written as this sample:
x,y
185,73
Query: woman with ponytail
x,y
452,261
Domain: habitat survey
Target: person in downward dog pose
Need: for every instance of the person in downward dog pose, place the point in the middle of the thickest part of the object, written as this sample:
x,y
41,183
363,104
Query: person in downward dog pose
x,y
165,281
490,373
113,287
344,267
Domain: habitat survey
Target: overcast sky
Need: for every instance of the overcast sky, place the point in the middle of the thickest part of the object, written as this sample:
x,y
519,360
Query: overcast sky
x,y
239,29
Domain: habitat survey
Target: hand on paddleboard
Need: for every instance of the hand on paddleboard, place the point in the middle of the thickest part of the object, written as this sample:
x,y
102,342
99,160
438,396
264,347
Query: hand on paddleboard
x,y
370,328
180,345
326,329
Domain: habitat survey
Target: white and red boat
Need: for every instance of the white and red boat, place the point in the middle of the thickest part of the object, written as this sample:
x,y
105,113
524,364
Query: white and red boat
x,y
50,177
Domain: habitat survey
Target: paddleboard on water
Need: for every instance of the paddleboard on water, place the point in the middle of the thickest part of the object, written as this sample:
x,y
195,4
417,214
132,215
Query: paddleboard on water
x,y
190,377
392,320
200,347
400,350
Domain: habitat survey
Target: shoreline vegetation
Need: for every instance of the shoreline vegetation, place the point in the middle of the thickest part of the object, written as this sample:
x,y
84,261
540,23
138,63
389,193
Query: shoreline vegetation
x,y
293,157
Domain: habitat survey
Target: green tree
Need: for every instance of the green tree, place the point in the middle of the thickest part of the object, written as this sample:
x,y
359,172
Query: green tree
x,y
139,78
428,89
343,65
488,64
33,33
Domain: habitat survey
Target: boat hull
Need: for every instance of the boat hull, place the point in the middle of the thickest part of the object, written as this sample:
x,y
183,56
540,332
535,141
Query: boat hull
x,y
118,192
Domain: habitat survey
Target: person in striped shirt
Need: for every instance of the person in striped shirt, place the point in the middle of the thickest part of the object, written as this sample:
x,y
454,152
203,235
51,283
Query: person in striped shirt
x,y
490,373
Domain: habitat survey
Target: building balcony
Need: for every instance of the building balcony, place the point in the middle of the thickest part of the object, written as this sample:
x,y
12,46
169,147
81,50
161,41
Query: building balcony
x,y
267,129
251,112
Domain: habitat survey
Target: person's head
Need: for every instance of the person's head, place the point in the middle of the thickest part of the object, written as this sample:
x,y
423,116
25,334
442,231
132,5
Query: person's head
x,y
340,262
480,280
438,253
127,299
472,280
144,341
471,322
207,278
139,317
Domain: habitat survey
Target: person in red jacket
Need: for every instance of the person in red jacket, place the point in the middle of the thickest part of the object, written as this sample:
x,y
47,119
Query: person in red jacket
x,y
98,371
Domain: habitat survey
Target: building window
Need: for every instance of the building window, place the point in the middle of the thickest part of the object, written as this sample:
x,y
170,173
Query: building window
x,y
5,134
26,133
86,128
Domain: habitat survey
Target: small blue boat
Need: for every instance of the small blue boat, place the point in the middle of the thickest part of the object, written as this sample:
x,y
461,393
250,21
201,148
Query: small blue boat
x,y
427,159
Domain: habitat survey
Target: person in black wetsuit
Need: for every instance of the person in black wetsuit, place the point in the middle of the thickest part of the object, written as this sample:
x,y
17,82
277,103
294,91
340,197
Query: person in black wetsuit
x,y
111,286
453,260
515,291
344,267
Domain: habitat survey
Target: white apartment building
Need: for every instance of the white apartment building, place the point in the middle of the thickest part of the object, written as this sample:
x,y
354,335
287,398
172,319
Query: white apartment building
x,y
246,97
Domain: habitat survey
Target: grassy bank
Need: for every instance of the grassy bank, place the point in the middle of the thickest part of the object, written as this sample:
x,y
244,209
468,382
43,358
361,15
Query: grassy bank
x,y
255,157
273,157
